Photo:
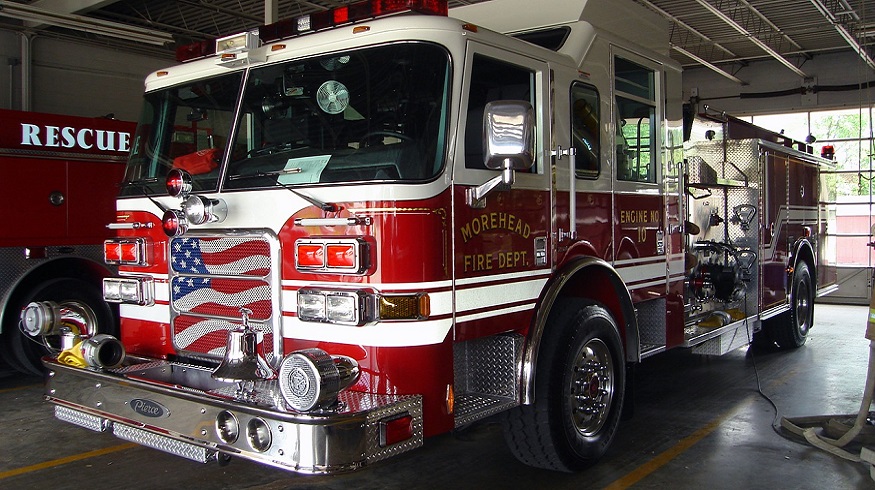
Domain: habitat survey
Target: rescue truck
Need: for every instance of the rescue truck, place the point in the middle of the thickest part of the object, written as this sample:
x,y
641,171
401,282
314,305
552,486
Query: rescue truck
x,y
59,178
351,230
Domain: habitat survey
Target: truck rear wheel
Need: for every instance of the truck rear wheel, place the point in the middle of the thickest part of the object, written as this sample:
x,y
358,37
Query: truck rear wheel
x,y
790,330
23,352
579,389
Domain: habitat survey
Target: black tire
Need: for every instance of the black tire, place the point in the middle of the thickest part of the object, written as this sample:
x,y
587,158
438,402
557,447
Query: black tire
x,y
579,388
790,330
24,352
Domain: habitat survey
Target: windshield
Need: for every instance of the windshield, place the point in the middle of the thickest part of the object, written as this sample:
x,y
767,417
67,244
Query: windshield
x,y
369,115
375,114
186,126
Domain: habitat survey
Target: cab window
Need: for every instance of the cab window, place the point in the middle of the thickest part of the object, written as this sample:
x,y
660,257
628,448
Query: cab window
x,y
492,80
585,130
636,121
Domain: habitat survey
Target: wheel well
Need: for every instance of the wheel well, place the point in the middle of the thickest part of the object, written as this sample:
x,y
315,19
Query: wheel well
x,y
63,267
805,253
585,278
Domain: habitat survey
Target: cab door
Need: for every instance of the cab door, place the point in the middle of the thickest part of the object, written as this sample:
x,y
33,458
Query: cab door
x,y
501,261
639,209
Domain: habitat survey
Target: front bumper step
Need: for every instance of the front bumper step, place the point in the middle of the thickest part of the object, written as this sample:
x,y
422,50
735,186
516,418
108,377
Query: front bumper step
x,y
180,409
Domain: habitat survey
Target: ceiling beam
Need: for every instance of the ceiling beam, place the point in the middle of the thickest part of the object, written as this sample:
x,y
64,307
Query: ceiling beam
x,y
832,16
684,25
709,65
751,37
67,7
92,25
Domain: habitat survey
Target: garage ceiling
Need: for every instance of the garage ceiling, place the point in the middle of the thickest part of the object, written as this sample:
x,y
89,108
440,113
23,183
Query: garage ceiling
x,y
722,35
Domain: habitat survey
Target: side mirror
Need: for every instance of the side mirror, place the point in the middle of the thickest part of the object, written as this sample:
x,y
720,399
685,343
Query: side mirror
x,y
509,135
508,145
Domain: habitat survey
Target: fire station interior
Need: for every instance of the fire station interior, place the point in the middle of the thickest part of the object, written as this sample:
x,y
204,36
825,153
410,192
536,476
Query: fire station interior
x,y
803,71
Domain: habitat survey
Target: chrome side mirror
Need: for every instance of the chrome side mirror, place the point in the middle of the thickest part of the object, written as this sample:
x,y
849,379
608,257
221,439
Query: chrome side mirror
x,y
508,145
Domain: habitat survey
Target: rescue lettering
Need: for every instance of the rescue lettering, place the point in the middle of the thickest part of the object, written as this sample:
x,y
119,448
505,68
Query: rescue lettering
x,y
495,221
69,137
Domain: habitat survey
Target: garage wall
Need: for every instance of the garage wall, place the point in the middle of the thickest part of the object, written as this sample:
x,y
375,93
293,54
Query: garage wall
x,y
75,78
9,53
826,70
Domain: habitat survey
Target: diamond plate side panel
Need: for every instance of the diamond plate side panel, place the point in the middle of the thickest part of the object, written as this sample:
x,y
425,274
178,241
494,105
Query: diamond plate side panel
x,y
725,178
411,406
488,366
651,322
726,342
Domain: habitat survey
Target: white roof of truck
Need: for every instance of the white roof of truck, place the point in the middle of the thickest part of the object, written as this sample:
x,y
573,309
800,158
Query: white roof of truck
x,y
623,18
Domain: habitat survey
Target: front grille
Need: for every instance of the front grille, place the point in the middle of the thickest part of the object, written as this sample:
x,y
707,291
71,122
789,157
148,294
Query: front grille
x,y
211,278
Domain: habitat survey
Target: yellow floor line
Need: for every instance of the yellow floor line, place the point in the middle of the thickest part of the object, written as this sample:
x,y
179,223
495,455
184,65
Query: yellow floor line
x,y
68,459
669,454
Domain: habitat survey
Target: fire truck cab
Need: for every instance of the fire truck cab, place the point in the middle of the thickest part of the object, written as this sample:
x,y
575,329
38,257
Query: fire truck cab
x,y
350,230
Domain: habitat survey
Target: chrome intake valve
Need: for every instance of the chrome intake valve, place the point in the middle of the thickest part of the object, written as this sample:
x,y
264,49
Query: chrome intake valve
x,y
76,325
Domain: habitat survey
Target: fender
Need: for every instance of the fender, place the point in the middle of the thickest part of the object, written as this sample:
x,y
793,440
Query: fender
x,y
563,284
803,249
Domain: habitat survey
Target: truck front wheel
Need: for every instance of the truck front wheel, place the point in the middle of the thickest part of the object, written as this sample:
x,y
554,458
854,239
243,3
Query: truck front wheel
x,y
23,352
579,389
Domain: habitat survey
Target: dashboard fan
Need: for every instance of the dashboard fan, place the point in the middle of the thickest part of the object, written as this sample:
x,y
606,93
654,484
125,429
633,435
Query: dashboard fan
x,y
332,97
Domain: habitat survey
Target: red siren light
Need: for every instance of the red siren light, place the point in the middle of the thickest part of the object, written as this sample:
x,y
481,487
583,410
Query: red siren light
x,y
193,51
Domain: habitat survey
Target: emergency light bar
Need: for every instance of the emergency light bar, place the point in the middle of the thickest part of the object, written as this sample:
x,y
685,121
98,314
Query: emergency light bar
x,y
347,14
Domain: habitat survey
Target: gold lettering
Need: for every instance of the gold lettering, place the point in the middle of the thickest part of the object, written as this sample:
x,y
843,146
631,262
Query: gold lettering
x,y
466,233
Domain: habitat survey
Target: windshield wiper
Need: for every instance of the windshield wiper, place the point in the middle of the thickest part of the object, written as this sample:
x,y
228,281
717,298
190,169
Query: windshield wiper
x,y
324,206
141,184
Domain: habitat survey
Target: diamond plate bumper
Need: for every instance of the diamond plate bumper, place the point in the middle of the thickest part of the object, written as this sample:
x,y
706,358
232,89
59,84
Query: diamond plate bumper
x,y
174,408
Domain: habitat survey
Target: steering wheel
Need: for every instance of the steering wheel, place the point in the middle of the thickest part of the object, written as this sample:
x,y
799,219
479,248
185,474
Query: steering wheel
x,y
384,134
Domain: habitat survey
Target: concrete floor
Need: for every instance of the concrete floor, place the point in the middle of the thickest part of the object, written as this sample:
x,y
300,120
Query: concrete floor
x,y
699,423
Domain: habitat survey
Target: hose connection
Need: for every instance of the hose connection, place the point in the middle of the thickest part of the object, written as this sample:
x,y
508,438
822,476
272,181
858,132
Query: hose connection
x,y
76,326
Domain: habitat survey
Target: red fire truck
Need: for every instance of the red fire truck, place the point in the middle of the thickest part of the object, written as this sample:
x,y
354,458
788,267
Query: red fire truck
x,y
347,231
59,178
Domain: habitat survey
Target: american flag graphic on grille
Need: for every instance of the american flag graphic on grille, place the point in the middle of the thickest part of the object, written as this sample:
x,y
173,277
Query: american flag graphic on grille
x,y
212,279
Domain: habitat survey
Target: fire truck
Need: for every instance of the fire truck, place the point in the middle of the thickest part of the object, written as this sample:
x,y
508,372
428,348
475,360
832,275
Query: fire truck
x,y
347,231
59,178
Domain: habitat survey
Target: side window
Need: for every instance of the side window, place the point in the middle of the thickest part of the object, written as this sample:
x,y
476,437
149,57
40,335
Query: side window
x,y
492,80
585,132
636,121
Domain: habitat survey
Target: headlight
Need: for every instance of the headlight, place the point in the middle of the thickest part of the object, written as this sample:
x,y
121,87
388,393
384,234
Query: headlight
x,y
343,307
132,290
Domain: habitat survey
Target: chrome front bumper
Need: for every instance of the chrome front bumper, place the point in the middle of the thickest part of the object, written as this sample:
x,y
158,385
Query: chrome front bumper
x,y
175,407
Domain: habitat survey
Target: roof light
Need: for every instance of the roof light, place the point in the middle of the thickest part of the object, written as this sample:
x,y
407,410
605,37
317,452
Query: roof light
x,y
347,14
193,51
237,43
